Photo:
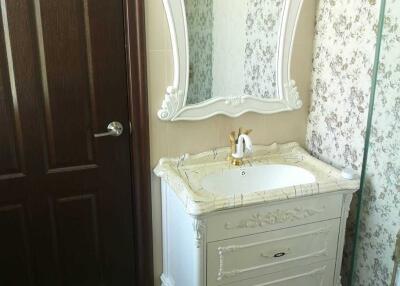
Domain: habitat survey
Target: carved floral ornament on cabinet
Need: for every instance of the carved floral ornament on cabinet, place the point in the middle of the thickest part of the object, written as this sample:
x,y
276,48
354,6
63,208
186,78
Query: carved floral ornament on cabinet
x,y
207,85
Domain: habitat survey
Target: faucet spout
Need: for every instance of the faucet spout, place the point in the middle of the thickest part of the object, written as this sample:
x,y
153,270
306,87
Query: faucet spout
x,y
240,146
243,146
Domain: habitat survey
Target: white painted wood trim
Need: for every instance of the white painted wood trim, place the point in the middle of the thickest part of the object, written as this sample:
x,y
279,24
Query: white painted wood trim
x,y
199,227
164,280
342,230
294,277
174,104
277,216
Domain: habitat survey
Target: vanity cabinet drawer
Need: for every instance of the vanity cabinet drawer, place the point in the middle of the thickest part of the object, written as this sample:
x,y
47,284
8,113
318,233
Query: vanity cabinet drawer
x,y
319,274
247,221
256,255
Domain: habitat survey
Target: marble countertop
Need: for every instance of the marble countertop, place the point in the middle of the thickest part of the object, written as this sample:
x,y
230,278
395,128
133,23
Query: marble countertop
x,y
184,176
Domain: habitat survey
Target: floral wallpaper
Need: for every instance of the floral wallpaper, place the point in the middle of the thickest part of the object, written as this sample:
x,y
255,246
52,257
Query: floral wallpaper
x,y
199,16
262,28
343,63
380,219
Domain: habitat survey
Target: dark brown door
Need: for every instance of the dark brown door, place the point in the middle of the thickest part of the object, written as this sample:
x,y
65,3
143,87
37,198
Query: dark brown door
x,y
65,196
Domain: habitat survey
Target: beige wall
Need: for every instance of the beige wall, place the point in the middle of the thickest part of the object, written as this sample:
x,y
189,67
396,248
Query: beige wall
x,y
171,139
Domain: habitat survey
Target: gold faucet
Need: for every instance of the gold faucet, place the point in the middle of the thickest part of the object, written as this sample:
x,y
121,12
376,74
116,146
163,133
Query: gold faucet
x,y
234,143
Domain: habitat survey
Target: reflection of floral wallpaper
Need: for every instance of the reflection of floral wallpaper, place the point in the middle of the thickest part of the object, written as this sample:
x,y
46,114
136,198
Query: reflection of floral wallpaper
x,y
343,62
380,220
199,15
262,28
257,64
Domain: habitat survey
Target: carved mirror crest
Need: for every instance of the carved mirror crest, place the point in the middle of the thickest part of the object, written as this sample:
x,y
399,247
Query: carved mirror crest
x,y
230,57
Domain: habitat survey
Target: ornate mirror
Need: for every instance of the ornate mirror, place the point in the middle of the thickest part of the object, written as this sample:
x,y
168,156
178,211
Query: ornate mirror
x,y
230,57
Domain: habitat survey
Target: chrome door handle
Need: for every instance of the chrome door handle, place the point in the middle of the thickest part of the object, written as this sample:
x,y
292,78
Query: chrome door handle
x,y
114,129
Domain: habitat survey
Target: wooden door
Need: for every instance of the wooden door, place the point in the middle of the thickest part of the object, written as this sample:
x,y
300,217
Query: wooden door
x,y
65,196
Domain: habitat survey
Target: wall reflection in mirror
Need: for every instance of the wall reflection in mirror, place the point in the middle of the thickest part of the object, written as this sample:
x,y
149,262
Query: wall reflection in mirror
x,y
232,48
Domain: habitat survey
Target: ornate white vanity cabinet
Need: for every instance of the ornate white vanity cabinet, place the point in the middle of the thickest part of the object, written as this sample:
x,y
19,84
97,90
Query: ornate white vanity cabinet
x,y
253,236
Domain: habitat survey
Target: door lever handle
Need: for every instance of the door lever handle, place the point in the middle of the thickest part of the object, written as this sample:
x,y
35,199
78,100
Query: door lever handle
x,y
114,129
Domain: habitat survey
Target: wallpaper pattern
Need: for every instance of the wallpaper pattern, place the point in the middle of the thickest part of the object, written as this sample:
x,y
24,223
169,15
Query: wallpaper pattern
x,y
257,64
199,16
340,89
262,28
380,220
343,62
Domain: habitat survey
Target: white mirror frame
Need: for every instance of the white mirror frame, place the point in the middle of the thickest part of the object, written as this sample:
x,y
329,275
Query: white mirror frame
x,y
174,105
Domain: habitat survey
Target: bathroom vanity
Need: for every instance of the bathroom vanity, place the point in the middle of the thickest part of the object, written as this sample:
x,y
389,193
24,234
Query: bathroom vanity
x,y
279,219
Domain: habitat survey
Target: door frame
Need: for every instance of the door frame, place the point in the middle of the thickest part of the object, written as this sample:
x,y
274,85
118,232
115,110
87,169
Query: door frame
x,y
135,42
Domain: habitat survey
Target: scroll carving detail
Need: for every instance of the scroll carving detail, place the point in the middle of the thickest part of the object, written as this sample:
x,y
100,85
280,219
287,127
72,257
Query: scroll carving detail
x,y
199,228
274,217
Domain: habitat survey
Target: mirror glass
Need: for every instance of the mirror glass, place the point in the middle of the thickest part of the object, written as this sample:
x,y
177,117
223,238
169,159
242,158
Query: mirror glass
x,y
232,48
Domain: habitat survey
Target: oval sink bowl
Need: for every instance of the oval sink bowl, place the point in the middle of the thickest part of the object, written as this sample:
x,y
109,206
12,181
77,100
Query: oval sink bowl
x,y
256,179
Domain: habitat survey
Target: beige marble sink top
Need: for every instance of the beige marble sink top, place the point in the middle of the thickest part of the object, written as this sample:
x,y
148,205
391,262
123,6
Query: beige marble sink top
x,y
184,175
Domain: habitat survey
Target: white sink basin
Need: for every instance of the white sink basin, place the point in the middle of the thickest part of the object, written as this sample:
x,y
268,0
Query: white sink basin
x,y
255,179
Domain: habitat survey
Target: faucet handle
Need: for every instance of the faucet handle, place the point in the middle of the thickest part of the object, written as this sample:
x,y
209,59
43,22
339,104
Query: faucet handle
x,y
232,137
244,131
247,131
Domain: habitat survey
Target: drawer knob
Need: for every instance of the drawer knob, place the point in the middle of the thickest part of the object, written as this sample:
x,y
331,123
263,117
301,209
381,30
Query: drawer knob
x,y
279,254
276,253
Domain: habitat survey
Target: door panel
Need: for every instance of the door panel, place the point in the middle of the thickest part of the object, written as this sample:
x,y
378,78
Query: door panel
x,y
10,162
19,68
66,70
11,145
14,246
64,193
76,238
